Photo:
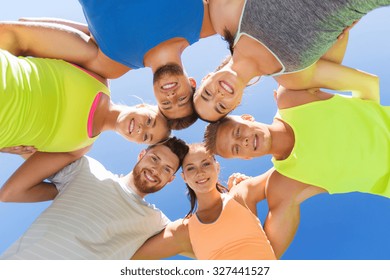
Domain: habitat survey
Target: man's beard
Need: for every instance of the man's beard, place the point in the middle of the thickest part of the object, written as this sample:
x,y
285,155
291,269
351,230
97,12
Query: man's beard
x,y
172,69
142,184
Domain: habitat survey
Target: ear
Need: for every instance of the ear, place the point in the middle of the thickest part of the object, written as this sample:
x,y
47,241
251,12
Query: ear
x,y
192,82
183,176
141,154
247,117
171,179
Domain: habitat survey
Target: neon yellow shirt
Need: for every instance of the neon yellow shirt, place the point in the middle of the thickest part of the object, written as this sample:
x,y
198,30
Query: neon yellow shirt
x,y
341,144
45,103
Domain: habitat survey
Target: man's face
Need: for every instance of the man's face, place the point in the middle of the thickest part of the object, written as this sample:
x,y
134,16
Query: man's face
x,y
173,91
238,138
155,169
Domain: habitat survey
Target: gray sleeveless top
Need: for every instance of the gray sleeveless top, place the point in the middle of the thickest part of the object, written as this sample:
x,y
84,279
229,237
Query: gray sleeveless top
x,y
298,33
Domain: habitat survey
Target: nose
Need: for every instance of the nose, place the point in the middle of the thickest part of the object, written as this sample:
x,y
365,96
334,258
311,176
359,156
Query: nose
x,y
171,94
245,141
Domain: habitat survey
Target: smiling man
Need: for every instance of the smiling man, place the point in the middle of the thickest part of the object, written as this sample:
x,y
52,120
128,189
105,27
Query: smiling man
x,y
98,215
320,142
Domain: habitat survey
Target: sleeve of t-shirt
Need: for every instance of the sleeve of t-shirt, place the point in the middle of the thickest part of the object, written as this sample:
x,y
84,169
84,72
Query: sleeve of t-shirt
x,y
63,177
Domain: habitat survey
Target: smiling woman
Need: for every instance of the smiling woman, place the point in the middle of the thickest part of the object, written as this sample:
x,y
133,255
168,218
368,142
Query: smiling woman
x,y
33,99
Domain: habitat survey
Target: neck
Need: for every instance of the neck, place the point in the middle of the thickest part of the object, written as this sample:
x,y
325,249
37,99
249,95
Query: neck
x,y
209,206
128,180
245,68
282,139
167,52
111,116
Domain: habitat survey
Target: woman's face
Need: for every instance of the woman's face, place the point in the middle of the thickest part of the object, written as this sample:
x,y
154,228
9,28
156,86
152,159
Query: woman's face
x,y
142,124
219,94
200,170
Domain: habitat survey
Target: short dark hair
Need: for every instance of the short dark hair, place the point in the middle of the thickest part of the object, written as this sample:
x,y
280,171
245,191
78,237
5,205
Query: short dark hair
x,y
210,134
184,122
176,145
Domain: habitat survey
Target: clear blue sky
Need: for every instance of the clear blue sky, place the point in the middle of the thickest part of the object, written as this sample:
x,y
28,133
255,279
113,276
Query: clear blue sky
x,y
348,226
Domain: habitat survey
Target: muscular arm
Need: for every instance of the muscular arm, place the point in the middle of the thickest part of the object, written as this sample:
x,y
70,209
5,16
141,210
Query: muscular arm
x,y
51,40
330,75
26,184
76,25
252,190
173,240
284,196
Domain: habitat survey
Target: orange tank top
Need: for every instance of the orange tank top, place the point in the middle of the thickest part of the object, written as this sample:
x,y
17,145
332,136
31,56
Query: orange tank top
x,y
237,234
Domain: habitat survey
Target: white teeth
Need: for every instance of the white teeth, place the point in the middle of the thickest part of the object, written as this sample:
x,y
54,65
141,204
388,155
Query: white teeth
x,y
202,181
226,87
131,126
150,178
255,142
169,86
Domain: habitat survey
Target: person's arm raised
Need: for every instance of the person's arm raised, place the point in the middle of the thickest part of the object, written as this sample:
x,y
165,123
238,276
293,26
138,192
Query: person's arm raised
x,y
26,184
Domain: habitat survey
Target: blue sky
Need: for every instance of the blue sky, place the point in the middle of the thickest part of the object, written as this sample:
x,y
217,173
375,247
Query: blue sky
x,y
349,226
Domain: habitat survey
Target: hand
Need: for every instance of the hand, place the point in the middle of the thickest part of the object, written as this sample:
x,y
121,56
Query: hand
x,y
236,178
346,30
19,150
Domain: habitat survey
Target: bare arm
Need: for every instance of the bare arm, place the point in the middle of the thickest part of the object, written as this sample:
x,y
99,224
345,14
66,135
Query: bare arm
x,y
25,185
330,75
50,40
173,240
251,190
76,25
284,196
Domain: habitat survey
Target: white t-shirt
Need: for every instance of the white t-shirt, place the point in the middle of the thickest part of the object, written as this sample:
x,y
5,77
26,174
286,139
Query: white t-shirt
x,y
95,216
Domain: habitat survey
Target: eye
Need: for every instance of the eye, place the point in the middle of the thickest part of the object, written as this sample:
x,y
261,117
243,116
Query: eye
x,y
154,158
238,132
167,170
145,137
165,103
207,93
190,168
222,106
182,98
149,121
205,164
236,149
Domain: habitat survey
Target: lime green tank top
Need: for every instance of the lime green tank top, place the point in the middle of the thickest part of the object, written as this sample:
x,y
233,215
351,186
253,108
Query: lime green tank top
x,y
341,144
45,103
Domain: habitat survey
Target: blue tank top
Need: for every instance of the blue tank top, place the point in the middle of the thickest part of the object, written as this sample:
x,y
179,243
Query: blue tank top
x,y
126,30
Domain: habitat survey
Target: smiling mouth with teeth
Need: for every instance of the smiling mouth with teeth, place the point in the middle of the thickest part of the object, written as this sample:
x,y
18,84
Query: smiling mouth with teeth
x,y
226,87
169,86
131,126
255,143
202,181
149,178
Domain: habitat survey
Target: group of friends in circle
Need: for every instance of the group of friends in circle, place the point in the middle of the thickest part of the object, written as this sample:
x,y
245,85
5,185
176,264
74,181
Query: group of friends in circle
x,y
55,102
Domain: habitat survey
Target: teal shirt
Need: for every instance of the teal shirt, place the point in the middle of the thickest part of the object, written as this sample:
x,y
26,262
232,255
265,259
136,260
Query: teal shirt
x,y
341,144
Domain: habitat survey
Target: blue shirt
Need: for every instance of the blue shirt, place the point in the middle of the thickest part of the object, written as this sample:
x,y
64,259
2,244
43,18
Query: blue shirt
x,y
126,30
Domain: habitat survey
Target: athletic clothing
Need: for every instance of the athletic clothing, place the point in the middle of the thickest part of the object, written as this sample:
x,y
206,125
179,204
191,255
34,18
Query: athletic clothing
x,y
125,30
298,33
237,234
341,144
95,216
45,103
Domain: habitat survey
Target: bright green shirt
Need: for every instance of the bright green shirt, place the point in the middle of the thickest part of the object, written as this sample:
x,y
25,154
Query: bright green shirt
x,y
341,144
45,103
